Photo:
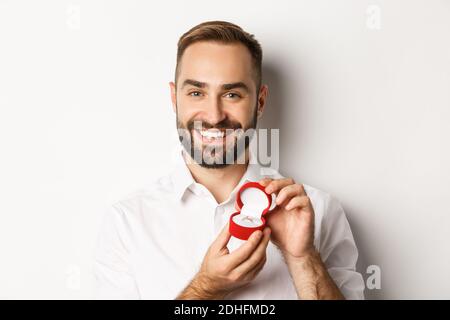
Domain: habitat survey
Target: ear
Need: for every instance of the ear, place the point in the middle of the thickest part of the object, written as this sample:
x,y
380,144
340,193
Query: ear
x,y
262,98
173,96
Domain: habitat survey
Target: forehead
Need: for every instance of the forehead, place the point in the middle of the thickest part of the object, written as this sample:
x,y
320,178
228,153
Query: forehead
x,y
216,63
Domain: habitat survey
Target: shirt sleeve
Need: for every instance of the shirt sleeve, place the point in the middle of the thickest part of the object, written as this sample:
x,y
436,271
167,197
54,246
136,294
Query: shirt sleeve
x,y
339,252
112,272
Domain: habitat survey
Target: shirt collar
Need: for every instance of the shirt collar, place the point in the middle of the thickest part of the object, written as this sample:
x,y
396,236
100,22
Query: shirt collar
x,y
182,178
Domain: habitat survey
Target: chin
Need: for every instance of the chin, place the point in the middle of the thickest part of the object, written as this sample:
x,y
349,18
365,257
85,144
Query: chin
x,y
216,161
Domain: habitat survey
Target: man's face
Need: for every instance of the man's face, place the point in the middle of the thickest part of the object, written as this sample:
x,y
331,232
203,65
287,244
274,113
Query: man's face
x,y
216,95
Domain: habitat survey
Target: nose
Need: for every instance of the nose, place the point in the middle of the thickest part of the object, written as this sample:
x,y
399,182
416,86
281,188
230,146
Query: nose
x,y
215,113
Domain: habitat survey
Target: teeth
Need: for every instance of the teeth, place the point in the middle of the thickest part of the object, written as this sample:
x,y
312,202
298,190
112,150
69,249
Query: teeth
x,y
212,134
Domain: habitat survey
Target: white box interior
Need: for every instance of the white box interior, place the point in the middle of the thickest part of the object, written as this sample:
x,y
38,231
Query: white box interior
x,y
254,201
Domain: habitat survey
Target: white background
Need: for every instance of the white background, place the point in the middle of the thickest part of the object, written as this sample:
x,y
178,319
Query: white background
x,y
363,106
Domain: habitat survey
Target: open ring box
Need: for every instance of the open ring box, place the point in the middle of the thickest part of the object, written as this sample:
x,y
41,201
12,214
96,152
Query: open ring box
x,y
253,203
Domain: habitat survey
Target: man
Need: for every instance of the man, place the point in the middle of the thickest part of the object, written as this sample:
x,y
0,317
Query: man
x,y
171,240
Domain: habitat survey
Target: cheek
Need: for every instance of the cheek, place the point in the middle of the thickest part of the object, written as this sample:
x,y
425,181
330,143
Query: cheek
x,y
188,107
185,112
243,114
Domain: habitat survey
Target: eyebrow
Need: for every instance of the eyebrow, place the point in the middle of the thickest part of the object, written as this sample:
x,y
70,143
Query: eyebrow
x,y
225,86
194,83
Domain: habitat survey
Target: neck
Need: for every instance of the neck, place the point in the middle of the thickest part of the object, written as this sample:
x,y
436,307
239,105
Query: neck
x,y
220,182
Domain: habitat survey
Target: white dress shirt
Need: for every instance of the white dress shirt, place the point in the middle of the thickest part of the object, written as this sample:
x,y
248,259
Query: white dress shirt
x,y
152,243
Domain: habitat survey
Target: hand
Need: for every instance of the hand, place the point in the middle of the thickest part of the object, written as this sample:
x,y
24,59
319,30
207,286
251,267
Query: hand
x,y
222,272
292,220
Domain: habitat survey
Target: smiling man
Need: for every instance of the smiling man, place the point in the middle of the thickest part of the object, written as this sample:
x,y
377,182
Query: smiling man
x,y
171,240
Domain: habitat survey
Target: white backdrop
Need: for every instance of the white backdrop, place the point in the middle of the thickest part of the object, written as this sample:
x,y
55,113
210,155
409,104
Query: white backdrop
x,y
360,90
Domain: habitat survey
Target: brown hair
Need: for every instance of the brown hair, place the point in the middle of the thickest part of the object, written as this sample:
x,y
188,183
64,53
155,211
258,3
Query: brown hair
x,y
224,32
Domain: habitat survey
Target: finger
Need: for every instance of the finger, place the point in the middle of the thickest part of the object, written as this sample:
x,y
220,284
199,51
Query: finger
x,y
297,202
288,192
244,251
276,185
253,273
256,257
222,239
265,182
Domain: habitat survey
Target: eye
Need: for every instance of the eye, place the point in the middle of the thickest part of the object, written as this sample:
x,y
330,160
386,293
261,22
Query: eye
x,y
232,95
194,94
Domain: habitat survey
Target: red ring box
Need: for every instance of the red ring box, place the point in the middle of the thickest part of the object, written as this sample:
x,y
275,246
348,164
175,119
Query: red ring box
x,y
253,203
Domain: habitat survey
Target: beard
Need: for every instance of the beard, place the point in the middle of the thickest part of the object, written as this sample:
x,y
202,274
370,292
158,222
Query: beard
x,y
228,151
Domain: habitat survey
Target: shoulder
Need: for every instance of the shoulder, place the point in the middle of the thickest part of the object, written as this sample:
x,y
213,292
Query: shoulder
x,y
139,201
322,201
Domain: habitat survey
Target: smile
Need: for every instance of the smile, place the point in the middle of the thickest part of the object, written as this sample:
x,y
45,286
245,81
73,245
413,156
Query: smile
x,y
213,135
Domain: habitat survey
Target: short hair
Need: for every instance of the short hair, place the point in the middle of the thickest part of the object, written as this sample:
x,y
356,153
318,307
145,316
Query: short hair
x,y
222,32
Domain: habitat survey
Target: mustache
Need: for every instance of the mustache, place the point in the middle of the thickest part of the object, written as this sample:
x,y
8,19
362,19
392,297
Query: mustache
x,y
224,124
